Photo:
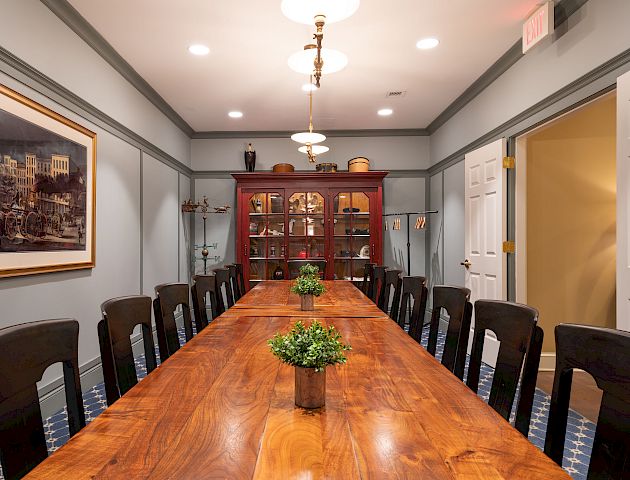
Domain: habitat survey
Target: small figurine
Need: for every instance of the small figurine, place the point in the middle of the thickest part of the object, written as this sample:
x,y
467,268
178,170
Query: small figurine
x,y
250,158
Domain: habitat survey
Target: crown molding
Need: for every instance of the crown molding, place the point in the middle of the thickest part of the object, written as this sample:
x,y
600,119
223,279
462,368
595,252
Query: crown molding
x,y
563,10
73,19
33,78
401,132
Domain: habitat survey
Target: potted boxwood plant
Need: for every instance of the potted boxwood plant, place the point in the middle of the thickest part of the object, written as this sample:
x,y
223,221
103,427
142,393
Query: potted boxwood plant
x,y
308,286
310,350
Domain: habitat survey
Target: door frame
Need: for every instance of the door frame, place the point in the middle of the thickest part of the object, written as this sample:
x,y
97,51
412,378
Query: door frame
x,y
520,194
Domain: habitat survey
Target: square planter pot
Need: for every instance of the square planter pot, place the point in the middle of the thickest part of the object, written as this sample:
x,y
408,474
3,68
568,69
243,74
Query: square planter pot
x,y
307,303
310,387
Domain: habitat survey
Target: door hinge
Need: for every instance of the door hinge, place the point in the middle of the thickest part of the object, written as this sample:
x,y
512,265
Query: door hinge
x,y
509,247
508,162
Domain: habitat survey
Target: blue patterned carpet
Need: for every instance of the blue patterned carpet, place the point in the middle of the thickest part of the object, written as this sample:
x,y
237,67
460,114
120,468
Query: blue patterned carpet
x,y
579,441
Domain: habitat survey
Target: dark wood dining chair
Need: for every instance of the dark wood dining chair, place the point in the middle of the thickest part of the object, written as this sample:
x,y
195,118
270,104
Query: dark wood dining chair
x,y
168,297
236,288
240,278
204,288
605,354
391,284
368,273
413,288
455,301
26,351
514,325
120,317
222,279
295,265
378,280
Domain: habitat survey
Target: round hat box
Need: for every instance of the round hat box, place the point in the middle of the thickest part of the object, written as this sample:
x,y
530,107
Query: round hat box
x,y
283,167
359,164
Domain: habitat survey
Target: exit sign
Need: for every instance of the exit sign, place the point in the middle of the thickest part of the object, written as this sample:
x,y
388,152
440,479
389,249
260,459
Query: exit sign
x,y
538,26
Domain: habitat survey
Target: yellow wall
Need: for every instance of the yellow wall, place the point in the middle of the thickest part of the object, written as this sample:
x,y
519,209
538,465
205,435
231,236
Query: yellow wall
x,y
571,219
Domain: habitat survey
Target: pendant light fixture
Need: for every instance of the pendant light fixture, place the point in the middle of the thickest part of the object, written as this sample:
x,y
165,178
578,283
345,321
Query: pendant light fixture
x,y
310,138
314,59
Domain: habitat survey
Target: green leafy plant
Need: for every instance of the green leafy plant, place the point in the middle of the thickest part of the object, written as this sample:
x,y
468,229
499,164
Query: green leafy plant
x,y
308,285
314,347
309,270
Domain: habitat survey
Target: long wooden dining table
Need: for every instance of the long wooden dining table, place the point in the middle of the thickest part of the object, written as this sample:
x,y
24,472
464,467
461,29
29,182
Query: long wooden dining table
x,y
223,407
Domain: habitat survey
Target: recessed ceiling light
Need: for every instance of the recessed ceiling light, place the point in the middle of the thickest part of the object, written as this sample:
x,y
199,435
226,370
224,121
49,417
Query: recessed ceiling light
x,y
309,87
199,49
427,43
385,112
235,114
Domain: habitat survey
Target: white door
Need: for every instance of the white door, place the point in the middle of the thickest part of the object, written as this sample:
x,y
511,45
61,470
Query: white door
x,y
623,199
485,217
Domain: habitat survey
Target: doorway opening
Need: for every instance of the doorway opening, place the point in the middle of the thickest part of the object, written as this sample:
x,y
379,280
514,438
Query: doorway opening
x,y
566,219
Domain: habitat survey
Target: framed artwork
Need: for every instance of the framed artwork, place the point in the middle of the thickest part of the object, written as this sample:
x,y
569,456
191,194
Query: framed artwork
x,y
47,189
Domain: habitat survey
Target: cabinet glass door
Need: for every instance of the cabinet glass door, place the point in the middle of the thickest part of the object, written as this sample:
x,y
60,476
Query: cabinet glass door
x,y
307,239
352,246
266,236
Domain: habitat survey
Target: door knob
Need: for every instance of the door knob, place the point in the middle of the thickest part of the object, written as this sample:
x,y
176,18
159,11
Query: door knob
x,y
466,263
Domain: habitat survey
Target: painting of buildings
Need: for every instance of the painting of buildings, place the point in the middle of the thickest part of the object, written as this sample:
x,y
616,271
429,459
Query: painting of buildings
x,y
42,188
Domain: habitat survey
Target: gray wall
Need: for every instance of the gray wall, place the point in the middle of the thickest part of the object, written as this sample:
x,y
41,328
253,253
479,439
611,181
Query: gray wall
x,y
38,37
385,153
593,35
446,247
137,220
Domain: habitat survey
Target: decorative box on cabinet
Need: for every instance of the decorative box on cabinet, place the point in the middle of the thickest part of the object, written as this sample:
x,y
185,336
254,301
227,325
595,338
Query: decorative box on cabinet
x,y
335,217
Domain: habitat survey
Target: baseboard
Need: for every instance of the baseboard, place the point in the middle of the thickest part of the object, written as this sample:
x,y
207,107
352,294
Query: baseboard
x,y
547,362
52,397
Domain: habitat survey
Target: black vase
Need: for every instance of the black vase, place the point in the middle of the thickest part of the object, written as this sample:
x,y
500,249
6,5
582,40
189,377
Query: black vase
x,y
250,160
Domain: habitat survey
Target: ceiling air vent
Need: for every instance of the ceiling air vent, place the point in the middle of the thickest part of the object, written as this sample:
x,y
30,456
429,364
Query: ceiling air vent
x,y
396,94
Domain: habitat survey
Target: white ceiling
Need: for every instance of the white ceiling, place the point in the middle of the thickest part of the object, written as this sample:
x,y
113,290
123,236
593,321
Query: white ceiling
x,y
250,42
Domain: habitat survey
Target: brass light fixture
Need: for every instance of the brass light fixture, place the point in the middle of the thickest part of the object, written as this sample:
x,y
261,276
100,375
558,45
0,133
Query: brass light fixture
x,y
310,138
314,59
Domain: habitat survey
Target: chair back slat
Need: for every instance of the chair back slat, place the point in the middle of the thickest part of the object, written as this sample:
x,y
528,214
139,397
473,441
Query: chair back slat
x,y
222,279
377,284
26,351
605,354
204,286
170,296
236,288
413,288
368,275
120,317
240,277
528,382
513,324
455,301
392,283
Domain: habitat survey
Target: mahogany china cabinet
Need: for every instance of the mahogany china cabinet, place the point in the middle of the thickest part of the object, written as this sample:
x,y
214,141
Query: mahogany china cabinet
x,y
285,218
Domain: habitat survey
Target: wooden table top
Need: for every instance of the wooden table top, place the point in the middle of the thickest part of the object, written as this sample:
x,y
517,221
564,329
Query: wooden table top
x,y
222,407
341,299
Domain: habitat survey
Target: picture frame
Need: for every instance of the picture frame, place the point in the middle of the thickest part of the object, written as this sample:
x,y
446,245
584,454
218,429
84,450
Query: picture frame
x,y
47,189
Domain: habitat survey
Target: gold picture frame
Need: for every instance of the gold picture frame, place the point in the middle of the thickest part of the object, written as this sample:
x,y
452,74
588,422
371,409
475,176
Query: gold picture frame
x,y
47,189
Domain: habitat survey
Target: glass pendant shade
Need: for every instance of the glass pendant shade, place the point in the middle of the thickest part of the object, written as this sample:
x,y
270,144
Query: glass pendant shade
x,y
316,149
308,137
303,61
304,11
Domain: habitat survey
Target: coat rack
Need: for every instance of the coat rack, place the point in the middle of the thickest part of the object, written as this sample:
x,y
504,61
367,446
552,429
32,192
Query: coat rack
x,y
420,225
